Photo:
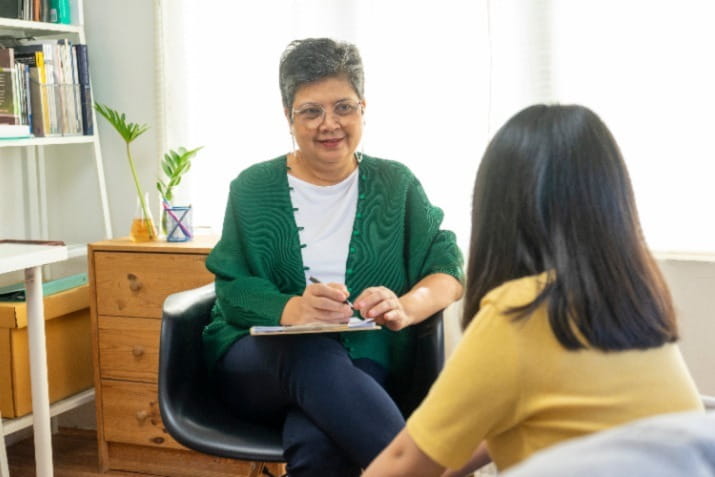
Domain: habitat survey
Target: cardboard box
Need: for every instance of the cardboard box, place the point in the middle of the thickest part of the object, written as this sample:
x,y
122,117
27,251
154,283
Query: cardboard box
x,y
69,352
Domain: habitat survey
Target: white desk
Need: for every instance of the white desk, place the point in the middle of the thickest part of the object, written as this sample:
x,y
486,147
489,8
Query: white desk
x,y
31,258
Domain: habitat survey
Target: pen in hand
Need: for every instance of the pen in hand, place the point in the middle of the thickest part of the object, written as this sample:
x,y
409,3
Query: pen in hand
x,y
315,280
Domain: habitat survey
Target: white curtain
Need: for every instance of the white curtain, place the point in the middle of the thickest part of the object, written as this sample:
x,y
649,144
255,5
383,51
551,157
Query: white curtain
x,y
427,77
647,67
442,75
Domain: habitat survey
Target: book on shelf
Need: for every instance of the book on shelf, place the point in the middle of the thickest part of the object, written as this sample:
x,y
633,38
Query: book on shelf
x,y
55,11
37,99
14,131
84,88
8,88
60,11
45,13
48,87
48,84
11,8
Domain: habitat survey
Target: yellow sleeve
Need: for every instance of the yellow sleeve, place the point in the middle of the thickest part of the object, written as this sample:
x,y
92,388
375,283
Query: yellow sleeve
x,y
475,396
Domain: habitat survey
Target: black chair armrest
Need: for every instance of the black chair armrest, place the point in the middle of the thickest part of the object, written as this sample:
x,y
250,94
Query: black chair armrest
x,y
427,363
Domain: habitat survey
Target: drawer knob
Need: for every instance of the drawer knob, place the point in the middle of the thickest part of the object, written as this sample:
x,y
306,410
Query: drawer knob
x,y
134,284
137,351
141,416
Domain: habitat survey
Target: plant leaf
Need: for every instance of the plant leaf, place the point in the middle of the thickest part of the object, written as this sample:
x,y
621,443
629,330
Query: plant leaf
x,y
128,131
175,164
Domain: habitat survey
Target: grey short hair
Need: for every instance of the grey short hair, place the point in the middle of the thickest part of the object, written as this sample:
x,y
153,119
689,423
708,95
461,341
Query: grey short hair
x,y
313,59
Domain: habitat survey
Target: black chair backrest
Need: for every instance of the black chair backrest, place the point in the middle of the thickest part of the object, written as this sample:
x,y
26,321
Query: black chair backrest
x,y
185,315
190,409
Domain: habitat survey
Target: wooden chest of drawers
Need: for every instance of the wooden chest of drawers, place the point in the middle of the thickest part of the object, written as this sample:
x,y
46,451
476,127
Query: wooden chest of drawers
x,y
129,282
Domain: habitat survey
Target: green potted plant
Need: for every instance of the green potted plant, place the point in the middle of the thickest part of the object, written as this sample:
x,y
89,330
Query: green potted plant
x,y
143,228
175,223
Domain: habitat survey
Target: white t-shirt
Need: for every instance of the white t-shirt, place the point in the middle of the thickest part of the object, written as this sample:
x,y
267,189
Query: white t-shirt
x,y
325,217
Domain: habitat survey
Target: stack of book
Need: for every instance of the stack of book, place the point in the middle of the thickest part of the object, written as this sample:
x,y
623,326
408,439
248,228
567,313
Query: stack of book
x,y
55,11
44,89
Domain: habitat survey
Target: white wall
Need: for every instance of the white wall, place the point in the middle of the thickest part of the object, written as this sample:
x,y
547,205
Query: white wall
x,y
120,38
692,284
646,68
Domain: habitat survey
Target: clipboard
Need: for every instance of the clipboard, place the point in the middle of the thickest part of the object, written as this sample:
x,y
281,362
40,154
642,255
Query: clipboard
x,y
355,324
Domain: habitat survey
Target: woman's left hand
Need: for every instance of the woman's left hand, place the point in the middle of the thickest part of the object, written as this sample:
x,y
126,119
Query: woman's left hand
x,y
382,305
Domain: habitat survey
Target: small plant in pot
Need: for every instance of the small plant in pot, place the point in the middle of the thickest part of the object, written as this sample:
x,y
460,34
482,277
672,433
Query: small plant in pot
x,y
176,220
143,228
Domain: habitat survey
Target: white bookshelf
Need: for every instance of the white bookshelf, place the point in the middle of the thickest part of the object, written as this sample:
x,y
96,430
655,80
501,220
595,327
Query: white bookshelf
x,y
33,154
34,149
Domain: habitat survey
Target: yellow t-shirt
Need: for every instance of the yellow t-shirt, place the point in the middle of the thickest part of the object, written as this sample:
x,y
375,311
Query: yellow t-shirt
x,y
513,384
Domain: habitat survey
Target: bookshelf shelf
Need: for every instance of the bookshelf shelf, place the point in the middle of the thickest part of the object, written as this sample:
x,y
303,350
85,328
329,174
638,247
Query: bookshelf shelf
x,y
16,424
15,27
46,141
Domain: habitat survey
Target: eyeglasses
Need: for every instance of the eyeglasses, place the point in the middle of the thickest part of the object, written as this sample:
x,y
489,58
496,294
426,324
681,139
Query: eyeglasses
x,y
312,115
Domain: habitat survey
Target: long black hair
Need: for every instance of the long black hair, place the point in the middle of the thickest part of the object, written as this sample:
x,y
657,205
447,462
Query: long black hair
x,y
552,194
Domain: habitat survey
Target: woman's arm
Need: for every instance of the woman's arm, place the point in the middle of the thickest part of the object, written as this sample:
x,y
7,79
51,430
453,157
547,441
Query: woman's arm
x,y
430,295
479,459
402,458
433,265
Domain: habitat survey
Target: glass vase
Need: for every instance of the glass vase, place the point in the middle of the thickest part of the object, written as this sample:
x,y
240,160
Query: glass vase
x,y
176,223
143,228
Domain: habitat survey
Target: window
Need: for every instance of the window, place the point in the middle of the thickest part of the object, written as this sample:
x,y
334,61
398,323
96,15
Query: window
x,y
441,76
646,68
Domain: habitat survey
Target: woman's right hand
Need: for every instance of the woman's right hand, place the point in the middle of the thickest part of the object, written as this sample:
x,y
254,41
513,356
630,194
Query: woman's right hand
x,y
323,302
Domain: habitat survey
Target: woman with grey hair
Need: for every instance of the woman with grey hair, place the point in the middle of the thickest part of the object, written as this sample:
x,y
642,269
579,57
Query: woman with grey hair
x,y
317,235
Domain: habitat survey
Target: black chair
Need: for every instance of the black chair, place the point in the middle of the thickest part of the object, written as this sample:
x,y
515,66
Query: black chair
x,y
196,418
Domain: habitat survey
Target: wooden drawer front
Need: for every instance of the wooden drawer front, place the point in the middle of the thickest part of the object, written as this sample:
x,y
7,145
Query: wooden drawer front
x,y
150,461
129,348
131,415
136,284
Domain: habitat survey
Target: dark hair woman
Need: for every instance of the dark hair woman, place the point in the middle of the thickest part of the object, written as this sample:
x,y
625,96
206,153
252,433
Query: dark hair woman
x,y
565,205
570,328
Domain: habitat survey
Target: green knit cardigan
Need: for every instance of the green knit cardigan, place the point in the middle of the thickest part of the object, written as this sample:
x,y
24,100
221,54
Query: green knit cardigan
x,y
396,241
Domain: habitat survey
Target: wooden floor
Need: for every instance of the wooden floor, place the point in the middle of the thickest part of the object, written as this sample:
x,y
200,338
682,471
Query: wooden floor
x,y
74,452
75,455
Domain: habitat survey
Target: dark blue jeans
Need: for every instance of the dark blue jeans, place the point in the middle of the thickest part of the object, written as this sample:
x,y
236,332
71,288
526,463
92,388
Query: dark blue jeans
x,y
336,414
